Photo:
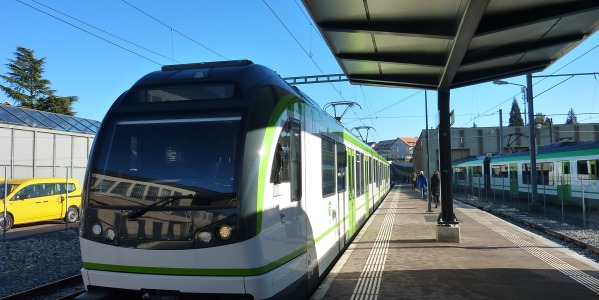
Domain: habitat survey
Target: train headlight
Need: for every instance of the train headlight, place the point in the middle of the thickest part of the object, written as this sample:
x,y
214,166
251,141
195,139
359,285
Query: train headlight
x,y
203,237
110,234
96,229
224,232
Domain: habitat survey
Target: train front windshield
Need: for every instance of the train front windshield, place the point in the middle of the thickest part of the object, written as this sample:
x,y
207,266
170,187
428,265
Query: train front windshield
x,y
191,160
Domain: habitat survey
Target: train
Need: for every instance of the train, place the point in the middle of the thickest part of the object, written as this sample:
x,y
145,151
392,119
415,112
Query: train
x,y
219,180
566,177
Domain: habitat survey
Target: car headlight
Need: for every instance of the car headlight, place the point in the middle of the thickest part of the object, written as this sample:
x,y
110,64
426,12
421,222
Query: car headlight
x,y
203,237
96,229
224,232
110,234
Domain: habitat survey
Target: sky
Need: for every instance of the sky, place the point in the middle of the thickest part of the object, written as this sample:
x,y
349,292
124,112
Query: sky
x,y
96,50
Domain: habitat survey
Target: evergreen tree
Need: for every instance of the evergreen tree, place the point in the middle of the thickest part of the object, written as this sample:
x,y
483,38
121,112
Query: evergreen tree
x,y
515,115
541,119
571,119
27,87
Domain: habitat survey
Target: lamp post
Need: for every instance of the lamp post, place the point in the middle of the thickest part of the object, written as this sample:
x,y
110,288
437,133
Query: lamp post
x,y
523,90
533,146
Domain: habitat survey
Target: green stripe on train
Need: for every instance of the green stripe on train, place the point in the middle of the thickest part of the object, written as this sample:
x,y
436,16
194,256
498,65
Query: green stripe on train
x,y
285,102
211,272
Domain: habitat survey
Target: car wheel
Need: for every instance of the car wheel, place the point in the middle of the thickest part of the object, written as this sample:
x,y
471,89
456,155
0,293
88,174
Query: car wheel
x,y
72,215
6,224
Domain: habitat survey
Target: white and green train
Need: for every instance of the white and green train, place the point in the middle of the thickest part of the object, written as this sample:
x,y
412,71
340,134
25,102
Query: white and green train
x,y
221,181
566,174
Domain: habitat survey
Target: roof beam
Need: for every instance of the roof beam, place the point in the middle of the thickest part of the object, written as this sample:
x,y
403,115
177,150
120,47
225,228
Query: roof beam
x,y
468,25
409,80
417,59
464,79
423,28
507,21
475,57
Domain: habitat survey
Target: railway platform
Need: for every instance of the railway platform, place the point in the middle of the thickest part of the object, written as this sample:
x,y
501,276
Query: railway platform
x,y
396,256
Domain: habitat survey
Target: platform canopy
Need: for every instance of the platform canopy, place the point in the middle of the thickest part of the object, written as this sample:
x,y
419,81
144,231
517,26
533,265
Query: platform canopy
x,y
445,44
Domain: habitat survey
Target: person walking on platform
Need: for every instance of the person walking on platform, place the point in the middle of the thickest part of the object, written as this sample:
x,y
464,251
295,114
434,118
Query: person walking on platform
x,y
422,183
414,180
435,188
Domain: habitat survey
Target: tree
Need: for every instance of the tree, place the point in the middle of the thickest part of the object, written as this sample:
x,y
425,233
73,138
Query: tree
x,y
541,119
571,119
27,87
515,115
473,124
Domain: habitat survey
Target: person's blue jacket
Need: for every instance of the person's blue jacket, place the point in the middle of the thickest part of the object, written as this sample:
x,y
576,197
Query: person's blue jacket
x,y
421,181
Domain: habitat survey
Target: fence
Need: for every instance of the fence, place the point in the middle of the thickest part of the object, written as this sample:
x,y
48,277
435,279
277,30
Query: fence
x,y
564,199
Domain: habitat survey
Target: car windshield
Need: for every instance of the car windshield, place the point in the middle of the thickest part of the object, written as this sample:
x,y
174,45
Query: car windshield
x,y
11,187
142,161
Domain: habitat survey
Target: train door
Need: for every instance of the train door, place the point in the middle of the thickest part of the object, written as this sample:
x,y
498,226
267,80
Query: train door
x,y
367,184
341,193
351,204
470,181
564,181
513,181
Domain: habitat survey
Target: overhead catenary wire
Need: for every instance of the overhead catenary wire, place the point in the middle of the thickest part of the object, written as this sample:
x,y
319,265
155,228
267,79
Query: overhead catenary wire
x,y
173,29
90,33
103,31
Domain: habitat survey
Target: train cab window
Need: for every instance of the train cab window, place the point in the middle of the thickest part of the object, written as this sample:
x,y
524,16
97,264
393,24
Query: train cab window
x,y
328,166
587,169
341,167
280,166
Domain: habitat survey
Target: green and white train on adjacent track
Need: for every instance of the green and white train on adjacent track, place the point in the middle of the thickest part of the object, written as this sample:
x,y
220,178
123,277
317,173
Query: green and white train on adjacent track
x,y
566,176
221,180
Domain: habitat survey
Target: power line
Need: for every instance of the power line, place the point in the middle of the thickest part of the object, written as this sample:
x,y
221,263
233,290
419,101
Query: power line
x,y
299,44
88,32
175,30
104,31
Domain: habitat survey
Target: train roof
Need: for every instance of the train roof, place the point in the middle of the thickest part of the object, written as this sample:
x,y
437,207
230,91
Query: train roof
x,y
469,160
551,150
244,72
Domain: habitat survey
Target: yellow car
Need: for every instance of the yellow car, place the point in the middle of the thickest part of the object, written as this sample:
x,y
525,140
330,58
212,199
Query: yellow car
x,y
39,199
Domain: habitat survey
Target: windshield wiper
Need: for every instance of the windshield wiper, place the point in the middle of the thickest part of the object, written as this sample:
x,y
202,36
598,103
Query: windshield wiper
x,y
166,200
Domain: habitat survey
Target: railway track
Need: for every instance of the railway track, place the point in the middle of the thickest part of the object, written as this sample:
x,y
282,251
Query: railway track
x,y
67,288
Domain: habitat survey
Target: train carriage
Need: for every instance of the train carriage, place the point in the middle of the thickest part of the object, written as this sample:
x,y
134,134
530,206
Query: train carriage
x,y
220,180
566,174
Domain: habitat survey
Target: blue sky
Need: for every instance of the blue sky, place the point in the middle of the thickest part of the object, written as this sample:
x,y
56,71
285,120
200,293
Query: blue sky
x,y
128,39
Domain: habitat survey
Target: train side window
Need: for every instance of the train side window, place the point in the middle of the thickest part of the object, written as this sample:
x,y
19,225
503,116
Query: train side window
x,y
526,173
295,159
587,169
341,167
499,171
546,177
359,174
328,166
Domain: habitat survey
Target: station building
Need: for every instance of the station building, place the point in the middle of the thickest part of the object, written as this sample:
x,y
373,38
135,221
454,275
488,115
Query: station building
x,y
478,141
42,144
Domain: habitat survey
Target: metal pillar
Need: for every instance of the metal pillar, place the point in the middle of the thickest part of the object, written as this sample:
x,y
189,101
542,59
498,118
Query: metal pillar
x,y
447,216
500,132
428,158
533,144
